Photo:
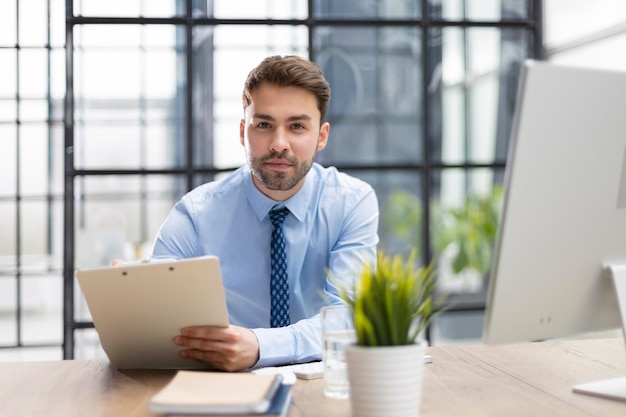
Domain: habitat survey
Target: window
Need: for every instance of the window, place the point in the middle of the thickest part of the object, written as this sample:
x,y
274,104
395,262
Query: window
x,y
423,96
31,183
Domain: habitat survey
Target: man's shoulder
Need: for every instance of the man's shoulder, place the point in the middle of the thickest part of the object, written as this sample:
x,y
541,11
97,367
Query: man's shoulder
x,y
331,177
221,188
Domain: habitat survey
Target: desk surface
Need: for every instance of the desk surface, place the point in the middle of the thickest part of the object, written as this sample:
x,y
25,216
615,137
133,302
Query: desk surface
x,y
531,379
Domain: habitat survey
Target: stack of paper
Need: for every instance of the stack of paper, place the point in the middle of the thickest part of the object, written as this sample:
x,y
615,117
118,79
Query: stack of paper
x,y
197,393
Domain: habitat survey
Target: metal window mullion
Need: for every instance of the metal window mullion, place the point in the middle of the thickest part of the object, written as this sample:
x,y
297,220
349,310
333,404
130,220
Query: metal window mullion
x,y
537,39
467,124
426,169
143,205
50,156
311,28
68,200
380,111
18,205
189,132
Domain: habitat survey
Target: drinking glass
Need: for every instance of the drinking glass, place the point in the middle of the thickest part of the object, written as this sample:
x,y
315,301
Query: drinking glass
x,y
338,332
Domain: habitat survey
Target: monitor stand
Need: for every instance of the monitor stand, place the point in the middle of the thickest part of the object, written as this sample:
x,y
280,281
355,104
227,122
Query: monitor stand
x,y
614,389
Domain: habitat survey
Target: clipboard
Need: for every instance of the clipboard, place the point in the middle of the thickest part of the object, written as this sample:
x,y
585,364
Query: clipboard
x,y
138,309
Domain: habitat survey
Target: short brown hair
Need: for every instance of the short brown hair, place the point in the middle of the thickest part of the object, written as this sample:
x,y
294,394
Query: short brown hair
x,y
290,71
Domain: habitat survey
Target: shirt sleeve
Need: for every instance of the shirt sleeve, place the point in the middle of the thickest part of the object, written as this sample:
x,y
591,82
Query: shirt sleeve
x,y
297,343
355,247
177,236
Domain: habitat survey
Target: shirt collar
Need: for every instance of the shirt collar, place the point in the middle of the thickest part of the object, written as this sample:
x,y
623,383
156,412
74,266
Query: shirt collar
x,y
298,204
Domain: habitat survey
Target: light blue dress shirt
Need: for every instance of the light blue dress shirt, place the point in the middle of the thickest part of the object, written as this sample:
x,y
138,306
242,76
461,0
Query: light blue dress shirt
x,y
331,231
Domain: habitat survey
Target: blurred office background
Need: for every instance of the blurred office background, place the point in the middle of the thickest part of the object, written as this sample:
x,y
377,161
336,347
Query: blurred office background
x,y
111,110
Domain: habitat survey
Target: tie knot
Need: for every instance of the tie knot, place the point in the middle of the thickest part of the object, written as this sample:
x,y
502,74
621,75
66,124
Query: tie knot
x,y
277,216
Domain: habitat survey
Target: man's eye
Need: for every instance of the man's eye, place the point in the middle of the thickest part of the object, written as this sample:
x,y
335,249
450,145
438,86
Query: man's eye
x,y
297,126
263,125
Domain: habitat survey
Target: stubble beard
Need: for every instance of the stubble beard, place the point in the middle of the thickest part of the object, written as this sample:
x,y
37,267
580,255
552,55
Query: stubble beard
x,y
277,180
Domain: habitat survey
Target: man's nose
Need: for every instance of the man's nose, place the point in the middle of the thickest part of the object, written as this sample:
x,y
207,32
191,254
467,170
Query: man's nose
x,y
280,141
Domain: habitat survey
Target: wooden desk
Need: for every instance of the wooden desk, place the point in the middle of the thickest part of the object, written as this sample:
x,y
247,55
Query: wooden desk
x,y
531,379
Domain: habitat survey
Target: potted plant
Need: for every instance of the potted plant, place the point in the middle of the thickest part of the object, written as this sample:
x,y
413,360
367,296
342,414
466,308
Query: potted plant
x,y
392,303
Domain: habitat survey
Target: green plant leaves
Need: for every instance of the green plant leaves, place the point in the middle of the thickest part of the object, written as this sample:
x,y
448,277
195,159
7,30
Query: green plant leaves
x,y
392,301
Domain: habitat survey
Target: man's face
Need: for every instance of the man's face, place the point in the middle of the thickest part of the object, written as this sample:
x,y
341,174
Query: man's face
x,y
281,135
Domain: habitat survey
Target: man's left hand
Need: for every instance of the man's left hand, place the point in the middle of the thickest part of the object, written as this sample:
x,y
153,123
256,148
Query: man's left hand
x,y
230,349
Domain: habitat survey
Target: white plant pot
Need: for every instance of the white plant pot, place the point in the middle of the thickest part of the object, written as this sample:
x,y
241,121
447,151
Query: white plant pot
x,y
386,381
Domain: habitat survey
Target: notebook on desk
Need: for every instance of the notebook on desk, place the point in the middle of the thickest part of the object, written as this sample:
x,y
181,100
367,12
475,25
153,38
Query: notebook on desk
x,y
138,309
238,394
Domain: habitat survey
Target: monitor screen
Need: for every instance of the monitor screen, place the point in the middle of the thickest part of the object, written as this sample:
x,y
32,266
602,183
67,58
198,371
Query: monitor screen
x,y
564,213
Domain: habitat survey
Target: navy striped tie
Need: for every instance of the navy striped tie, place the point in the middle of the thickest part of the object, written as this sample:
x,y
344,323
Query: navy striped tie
x,y
279,283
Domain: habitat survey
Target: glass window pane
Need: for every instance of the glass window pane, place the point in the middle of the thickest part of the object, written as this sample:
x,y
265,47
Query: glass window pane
x,y
375,109
33,110
483,66
107,36
388,9
57,74
8,23
33,230
127,8
8,81
8,110
489,9
118,217
273,40
116,105
33,20
480,72
162,8
42,318
127,36
486,10
454,129
160,149
455,184
41,236
162,36
8,303
34,150
8,160
57,23
160,74
256,9
97,77
127,145
483,115
57,158
33,73
108,145
8,249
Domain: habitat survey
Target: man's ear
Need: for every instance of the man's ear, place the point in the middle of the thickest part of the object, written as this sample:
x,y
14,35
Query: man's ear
x,y
323,137
242,127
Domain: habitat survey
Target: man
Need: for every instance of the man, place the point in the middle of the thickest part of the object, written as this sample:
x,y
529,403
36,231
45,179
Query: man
x,y
329,230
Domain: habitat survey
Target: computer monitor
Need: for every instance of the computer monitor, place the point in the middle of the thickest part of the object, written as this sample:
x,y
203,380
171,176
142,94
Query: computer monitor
x,y
560,257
